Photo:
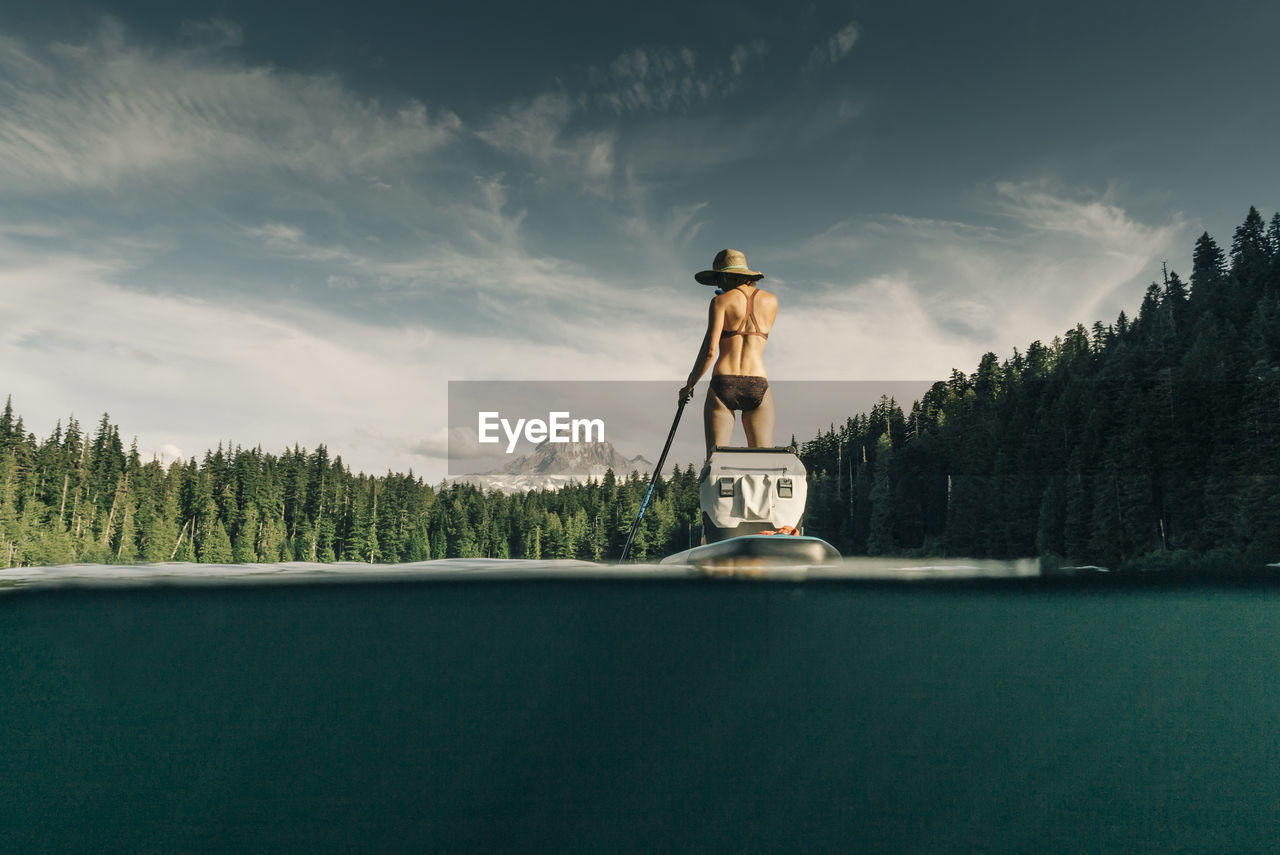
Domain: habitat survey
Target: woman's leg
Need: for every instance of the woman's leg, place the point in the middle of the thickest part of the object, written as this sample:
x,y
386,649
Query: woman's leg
x,y
717,422
758,423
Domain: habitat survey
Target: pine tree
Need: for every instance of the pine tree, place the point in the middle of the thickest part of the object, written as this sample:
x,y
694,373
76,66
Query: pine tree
x,y
1208,275
215,546
1250,249
1150,317
158,522
533,543
880,540
1052,519
1076,522
1272,282
554,545
47,542
243,548
8,435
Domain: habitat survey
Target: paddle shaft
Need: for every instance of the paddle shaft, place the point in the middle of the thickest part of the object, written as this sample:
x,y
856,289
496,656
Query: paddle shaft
x,y
657,470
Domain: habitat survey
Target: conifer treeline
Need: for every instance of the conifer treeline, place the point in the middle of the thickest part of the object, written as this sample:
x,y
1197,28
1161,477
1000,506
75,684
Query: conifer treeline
x,y
1156,436
73,498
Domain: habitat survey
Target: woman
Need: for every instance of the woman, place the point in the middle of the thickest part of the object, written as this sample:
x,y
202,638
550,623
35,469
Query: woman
x,y
737,328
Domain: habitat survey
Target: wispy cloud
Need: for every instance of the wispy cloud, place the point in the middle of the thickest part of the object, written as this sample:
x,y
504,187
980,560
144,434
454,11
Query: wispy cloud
x,y
531,128
742,55
214,33
1040,207
276,234
531,298
836,47
876,328
93,115
537,130
641,80
1050,260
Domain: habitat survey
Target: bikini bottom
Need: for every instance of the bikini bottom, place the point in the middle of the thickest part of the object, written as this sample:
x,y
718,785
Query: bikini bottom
x,y
739,392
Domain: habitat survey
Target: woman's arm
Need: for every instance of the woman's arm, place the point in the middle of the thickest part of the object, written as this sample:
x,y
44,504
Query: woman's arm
x,y
707,353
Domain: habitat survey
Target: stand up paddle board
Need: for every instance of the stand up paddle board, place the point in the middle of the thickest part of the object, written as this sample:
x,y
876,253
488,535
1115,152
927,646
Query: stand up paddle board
x,y
759,550
743,493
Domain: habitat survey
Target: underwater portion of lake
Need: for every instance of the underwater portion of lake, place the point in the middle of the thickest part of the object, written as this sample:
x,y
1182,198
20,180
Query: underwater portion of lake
x,y
570,707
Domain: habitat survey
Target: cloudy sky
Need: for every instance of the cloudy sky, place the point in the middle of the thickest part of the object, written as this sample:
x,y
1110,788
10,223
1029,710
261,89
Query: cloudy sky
x,y
295,223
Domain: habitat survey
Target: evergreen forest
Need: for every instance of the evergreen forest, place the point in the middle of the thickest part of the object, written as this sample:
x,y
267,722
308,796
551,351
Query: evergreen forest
x,y
1153,441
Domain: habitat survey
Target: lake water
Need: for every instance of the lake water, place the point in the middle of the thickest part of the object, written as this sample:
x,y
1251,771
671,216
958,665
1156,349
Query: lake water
x,y
561,706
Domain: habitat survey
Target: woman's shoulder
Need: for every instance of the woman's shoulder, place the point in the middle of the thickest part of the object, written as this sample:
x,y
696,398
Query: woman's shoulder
x,y
731,297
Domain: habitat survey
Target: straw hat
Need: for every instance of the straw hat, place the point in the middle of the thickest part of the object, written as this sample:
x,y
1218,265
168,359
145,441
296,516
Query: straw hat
x,y
727,261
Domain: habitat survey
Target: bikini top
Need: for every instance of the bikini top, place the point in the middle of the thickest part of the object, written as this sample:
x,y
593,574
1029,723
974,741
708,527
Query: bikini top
x,y
750,315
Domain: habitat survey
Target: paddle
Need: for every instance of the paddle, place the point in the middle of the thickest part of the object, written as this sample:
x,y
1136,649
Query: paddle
x,y
657,470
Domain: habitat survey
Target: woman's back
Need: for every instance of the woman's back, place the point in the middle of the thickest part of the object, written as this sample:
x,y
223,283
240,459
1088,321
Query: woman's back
x,y
749,314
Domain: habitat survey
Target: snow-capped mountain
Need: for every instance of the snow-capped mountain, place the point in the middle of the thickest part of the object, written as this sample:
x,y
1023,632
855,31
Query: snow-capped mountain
x,y
553,465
